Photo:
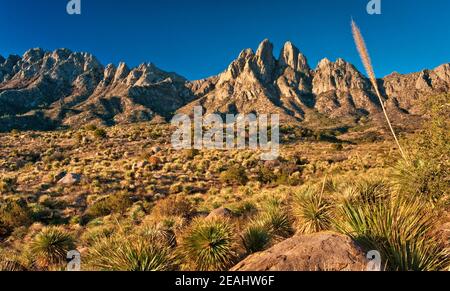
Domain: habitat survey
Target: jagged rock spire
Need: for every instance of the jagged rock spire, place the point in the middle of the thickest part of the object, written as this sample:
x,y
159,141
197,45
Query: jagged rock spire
x,y
265,60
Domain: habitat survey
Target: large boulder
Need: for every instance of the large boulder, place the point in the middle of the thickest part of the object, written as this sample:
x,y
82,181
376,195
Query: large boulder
x,y
221,212
324,251
70,179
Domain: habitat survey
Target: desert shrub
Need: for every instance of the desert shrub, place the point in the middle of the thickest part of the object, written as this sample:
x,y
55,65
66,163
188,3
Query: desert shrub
x,y
11,265
160,232
154,163
338,147
124,253
400,229
91,127
100,133
234,175
369,191
424,178
13,214
256,237
208,245
8,185
10,262
190,154
116,203
173,206
266,175
276,217
312,211
50,246
245,208
426,174
56,156
43,214
92,235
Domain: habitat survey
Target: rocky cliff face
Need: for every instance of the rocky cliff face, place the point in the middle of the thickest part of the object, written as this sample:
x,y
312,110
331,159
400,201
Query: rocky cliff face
x,y
43,90
62,88
257,82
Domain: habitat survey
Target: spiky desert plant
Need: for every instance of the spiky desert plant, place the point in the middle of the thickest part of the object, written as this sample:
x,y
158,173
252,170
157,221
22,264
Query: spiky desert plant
x,y
365,57
125,253
256,237
49,248
277,218
208,245
159,232
400,229
313,213
10,262
8,265
371,190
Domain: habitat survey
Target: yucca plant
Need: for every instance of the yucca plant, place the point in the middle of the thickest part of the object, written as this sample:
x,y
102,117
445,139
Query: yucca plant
x,y
367,191
124,253
256,237
400,229
164,235
208,245
49,248
313,213
10,263
276,217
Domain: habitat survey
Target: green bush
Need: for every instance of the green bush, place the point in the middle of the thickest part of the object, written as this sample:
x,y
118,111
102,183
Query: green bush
x,y
400,229
313,213
208,245
8,185
234,175
10,262
369,191
256,237
13,214
266,175
124,253
277,218
100,133
173,206
50,246
426,173
113,204
191,154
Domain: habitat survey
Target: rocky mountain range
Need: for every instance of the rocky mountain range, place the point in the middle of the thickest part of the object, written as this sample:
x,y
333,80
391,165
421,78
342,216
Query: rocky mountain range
x,y
48,90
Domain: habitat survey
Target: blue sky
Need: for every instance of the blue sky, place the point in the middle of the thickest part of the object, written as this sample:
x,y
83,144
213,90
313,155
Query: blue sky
x,y
199,38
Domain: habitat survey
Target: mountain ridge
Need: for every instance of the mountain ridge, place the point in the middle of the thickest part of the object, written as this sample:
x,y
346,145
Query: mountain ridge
x,y
46,90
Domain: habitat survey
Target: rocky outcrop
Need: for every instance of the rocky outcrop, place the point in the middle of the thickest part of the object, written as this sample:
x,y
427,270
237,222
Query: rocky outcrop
x,y
70,179
410,90
221,212
64,88
317,252
259,83
44,90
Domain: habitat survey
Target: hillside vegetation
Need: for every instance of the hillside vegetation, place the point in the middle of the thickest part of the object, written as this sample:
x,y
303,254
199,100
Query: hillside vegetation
x,y
127,201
